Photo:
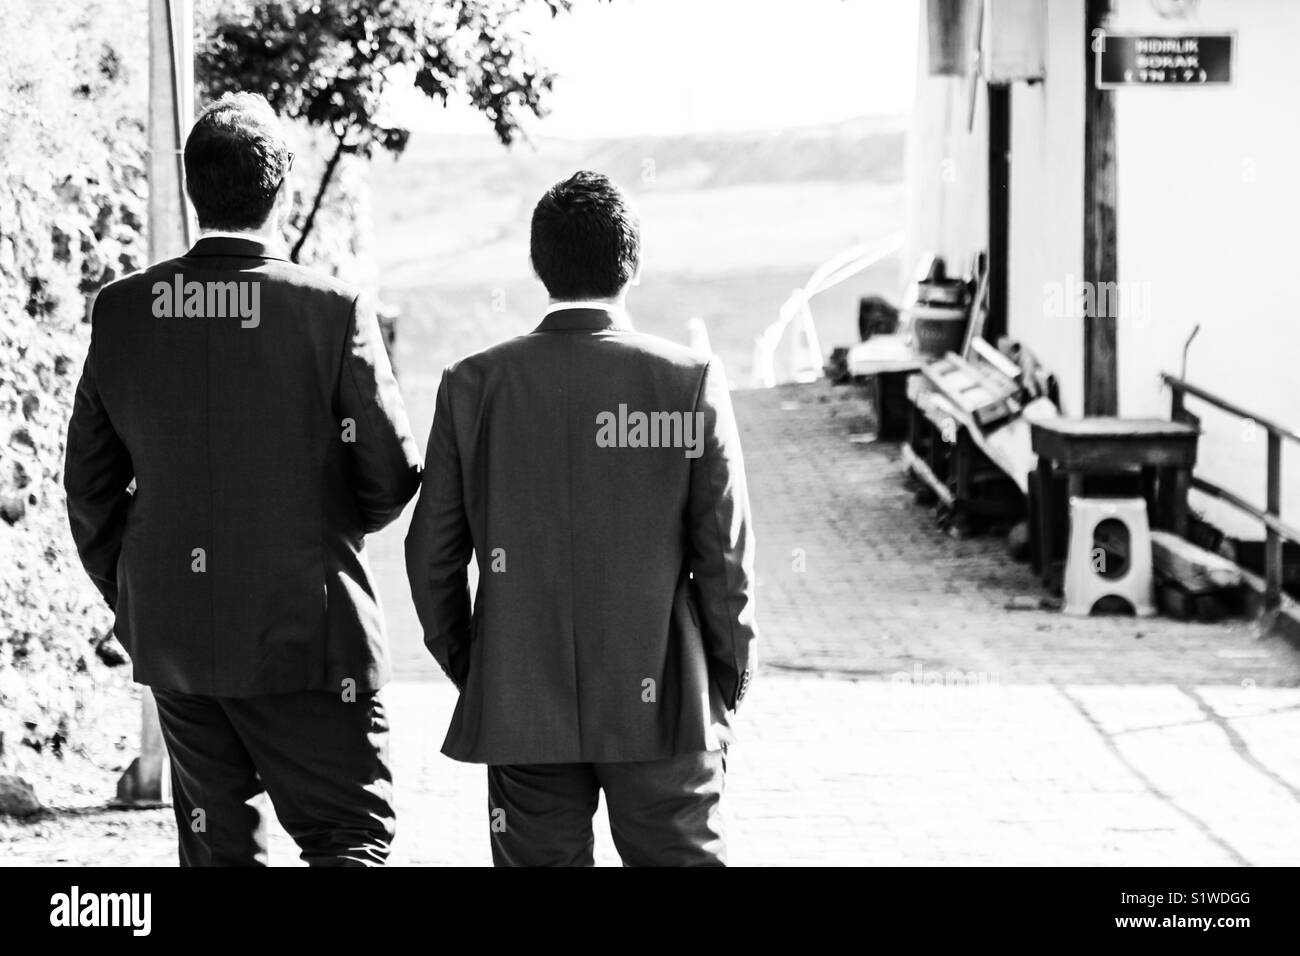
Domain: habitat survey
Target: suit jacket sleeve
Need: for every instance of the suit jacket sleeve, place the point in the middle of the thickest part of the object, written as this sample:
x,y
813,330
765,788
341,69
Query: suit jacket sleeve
x,y
722,542
96,473
385,461
438,548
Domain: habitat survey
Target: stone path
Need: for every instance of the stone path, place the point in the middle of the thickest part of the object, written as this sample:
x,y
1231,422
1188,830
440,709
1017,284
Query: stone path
x,y
903,714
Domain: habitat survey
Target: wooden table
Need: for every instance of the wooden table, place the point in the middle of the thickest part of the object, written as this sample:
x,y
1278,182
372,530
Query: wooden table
x,y
1163,452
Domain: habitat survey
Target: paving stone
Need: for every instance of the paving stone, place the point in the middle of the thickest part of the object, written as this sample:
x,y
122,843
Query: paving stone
x,y
902,716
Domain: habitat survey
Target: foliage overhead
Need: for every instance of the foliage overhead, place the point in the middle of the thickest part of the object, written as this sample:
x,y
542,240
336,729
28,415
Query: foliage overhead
x,y
328,62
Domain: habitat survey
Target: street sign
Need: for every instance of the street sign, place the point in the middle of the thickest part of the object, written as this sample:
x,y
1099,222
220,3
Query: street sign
x,y
1150,60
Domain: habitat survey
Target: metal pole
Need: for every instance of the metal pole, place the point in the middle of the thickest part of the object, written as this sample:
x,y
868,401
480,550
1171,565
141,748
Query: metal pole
x,y
147,782
1273,540
171,111
1100,255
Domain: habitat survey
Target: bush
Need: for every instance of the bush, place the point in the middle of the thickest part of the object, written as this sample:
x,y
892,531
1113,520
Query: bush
x,y
72,212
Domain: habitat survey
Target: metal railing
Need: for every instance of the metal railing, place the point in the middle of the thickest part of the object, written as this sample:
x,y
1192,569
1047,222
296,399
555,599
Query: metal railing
x,y
1275,529
805,350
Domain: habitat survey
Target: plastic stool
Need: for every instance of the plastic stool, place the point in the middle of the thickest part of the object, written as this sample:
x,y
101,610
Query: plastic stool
x,y
1087,578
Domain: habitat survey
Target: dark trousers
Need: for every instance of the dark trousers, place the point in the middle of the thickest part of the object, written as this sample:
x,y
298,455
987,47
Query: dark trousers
x,y
661,812
322,760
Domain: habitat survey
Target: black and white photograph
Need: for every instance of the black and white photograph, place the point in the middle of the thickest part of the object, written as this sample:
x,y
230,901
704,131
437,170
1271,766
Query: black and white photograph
x,y
651,433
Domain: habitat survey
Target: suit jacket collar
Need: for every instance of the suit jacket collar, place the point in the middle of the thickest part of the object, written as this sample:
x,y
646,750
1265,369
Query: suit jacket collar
x,y
585,318
237,246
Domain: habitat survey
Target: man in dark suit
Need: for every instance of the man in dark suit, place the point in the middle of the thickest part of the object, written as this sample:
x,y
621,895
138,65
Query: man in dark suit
x,y
596,475
252,404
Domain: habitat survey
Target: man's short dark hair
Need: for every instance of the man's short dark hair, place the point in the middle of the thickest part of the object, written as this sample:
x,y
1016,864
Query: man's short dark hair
x,y
235,159
586,240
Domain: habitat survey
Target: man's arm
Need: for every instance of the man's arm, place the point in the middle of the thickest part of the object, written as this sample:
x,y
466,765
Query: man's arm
x,y
96,472
438,548
385,459
722,542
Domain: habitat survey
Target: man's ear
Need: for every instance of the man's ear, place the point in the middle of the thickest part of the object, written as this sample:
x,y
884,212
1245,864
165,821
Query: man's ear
x,y
284,200
636,276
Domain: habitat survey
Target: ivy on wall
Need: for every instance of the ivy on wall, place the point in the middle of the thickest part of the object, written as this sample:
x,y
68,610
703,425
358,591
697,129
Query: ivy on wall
x,y
73,195
72,210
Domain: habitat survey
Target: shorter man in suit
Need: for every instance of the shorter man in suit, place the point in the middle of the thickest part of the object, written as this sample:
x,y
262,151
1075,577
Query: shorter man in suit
x,y
595,473
251,402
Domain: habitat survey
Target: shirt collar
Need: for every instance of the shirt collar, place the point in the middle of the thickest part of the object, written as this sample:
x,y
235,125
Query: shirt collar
x,y
589,316
237,244
232,234
587,304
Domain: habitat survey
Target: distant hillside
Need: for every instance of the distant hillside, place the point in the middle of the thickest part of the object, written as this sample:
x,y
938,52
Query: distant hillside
x,y
731,224
447,196
858,151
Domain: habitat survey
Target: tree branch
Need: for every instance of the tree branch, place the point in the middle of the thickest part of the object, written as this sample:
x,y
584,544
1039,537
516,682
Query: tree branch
x,y
326,176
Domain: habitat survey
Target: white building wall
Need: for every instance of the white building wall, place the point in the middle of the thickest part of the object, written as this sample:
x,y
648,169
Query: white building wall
x,y
947,188
1209,224
1208,186
947,170
1046,241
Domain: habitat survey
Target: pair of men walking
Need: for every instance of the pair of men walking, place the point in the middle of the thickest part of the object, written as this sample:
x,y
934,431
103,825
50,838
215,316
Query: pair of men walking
x,y
223,471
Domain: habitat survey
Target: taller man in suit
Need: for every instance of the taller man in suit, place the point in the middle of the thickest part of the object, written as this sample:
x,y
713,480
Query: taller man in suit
x,y
251,403
595,474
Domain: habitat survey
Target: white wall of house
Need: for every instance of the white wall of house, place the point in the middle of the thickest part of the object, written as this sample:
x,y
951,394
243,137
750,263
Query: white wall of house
x,y
1208,187
1209,202
947,188
1046,241
947,170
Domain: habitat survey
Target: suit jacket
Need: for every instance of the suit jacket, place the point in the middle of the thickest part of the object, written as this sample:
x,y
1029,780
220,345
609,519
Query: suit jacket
x,y
614,617
263,450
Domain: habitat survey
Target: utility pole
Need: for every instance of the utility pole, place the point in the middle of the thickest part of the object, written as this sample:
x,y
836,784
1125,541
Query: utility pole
x,y
1100,336
146,782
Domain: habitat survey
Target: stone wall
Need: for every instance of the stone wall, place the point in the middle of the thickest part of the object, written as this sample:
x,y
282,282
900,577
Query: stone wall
x,y
72,207
73,190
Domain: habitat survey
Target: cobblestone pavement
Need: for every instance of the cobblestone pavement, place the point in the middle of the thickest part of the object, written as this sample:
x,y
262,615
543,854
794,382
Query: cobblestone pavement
x,y
885,590
833,771
903,714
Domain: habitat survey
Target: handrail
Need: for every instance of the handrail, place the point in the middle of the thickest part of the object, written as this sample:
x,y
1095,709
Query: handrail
x,y
835,270
1182,385
1275,529
1267,520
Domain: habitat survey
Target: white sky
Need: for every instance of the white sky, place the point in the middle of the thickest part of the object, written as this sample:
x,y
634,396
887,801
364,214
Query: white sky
x,y
636,67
